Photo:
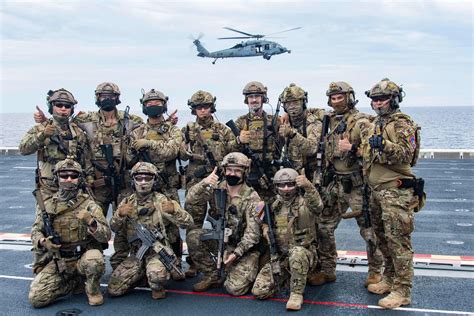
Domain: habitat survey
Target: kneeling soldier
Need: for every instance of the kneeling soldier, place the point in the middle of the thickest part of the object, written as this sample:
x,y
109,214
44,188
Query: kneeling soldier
x,y
294,237
142,217
72,227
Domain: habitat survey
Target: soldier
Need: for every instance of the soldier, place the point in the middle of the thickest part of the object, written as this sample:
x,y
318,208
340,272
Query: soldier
x,y
158,142
53,141
302,133
81,228
242,204
390,152
259,131
154,211
343,180
206,144
295,234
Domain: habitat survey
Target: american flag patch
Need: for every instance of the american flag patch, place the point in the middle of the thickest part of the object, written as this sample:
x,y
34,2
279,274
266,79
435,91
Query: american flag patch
x,y
413,141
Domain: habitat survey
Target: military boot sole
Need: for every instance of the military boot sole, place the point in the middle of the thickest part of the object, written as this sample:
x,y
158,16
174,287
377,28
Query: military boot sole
x,y
389,305
197,288
95,300
378,290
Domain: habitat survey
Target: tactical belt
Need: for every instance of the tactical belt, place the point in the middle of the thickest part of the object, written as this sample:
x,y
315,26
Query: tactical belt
x,y
75,253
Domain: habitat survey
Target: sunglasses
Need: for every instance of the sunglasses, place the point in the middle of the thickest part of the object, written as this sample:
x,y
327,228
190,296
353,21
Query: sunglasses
x,y
143,177
63,105
290,185
381,98
203,106
66,176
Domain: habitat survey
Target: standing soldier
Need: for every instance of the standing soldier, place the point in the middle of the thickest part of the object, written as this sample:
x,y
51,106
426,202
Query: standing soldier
x,y
302,133
72,227
294,217
146,211
343,180
206,144
242,229
390,152
158,142
53,141
259,133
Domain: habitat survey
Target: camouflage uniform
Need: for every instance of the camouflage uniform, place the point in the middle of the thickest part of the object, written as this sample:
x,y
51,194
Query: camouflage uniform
x,y
68,141
295,233
80,252
100,133
241,219
132,270
393,202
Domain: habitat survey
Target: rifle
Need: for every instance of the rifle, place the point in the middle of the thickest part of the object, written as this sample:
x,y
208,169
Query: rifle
x,y
275,268
367,222
219,232
148,239
111,173
320,154
208,168
251,154
284,161
58,140
49,231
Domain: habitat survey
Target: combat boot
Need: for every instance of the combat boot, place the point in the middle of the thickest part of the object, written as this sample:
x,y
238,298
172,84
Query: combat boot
x,y
373,278
380,288
206,283
93,293
321,278
158,294
192,271
394,300
294,302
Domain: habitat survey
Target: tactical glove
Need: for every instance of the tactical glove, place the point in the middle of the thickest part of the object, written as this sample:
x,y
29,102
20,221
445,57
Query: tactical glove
x,y
84,216
49,245
141,144
377,142
125,209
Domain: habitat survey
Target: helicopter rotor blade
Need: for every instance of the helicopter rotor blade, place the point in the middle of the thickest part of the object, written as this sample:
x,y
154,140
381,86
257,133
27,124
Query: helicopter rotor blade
x,y
234,30
237,37
295,28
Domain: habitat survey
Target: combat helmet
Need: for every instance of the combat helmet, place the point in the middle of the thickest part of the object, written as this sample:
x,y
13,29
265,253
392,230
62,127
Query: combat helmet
x,y
144,168
67,164
201,97
293,93
107,87
236,159
386,87
341,87
61,95
153,95
285,175
255,87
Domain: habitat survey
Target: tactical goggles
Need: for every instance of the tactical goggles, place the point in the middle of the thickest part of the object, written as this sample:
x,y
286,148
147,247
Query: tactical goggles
x,y
290,185
381,98
204,106
72,176
63,105
143,177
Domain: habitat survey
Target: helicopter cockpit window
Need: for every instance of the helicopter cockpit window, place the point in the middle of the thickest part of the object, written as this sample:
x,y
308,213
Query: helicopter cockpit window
x,y
237,46
267,46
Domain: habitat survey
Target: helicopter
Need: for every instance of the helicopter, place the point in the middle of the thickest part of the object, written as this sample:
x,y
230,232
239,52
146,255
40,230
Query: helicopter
x,y
250,48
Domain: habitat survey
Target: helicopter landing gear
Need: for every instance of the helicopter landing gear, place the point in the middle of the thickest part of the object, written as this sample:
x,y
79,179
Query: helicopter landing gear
x,y
214,62
267,57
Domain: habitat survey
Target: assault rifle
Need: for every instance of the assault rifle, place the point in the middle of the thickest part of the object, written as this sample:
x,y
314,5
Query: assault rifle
x,y
58,140
366,213
320,154
275,268
49,231
208,168
111,173
148,239
219,232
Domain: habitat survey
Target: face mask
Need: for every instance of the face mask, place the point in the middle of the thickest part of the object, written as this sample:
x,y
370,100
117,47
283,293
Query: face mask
x,y
382,111
143,187
154,110
233,180
60,118
287,195
107,104
339,107
67,191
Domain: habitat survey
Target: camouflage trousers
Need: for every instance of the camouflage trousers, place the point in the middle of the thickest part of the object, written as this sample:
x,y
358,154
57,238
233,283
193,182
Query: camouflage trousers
x,y
393,220
172,230
240,275
131,271
294,267
336,203
48,286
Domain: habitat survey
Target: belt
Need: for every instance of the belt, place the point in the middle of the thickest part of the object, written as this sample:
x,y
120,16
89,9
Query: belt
x,y
76,252
398,183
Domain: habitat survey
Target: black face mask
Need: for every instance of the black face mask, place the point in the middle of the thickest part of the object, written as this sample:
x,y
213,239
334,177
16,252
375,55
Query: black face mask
x,y
232,180
154,110
107,104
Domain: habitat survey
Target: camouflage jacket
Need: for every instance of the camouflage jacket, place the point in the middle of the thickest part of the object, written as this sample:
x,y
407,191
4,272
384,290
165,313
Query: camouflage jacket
x,y
70,141
393,162
166,140
214,138
295,221
72,231
152,218
352,125
241,215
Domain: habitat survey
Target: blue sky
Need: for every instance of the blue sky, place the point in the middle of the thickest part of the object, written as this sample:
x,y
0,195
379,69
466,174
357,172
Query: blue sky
x,y
425,45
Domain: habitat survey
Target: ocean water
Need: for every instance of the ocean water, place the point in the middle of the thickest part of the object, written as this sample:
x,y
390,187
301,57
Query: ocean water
x,y
448,127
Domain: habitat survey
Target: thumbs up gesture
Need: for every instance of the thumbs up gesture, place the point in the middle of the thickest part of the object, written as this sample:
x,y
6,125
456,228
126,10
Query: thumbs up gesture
x,y
39,116
302,181
344,145
212,179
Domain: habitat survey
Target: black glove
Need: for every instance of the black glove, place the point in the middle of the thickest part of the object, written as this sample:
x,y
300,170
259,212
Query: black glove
x,y
377,142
